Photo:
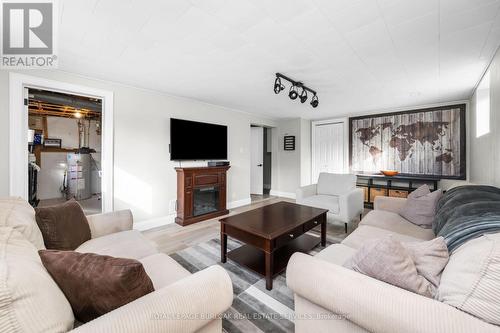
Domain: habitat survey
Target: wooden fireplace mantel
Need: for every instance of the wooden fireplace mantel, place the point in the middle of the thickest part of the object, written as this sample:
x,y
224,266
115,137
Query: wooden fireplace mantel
x,y
190,179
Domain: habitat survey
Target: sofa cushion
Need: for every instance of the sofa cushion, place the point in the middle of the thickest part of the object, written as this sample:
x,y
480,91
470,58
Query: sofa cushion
x,y
95,284
64,226
30,301
18,214
330,202
336,254
364,233
126,244
163,270
396,223
387,260
471,280
420,206
335,184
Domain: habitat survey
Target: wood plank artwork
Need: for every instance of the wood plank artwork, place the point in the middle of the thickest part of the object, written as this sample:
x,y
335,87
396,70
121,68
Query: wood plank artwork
x,y
424,142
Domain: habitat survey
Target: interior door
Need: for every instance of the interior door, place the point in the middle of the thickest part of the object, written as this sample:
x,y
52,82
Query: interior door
x,y
257,161
328,149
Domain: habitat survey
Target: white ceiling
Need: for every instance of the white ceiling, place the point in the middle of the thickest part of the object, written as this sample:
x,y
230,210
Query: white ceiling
x,y
359,55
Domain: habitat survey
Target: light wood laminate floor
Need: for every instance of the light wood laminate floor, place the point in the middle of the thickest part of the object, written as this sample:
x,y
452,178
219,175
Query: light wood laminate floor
x,y
173,237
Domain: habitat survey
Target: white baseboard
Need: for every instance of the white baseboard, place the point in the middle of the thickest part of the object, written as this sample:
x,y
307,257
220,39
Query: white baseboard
x,y
239,203
168,219
288,195
154,223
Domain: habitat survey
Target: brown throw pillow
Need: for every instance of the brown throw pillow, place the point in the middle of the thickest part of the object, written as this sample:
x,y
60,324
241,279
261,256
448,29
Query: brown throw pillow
x,y
64,227
95,284
420,207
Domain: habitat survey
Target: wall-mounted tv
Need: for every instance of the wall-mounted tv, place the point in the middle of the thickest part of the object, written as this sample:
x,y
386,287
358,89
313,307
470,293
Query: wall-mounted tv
x,y
192,140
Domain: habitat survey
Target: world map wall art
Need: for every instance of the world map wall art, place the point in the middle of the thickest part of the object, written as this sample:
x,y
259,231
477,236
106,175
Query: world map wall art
x,y
425,142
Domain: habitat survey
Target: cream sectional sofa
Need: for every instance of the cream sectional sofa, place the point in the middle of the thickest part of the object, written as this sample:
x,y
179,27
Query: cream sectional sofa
x,y
331,298
30,301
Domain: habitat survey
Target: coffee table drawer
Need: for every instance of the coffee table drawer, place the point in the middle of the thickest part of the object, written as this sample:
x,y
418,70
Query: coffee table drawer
x,y
289,236
311,224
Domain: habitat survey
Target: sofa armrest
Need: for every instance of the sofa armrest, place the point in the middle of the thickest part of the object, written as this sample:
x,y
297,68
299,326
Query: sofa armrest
x,y
374,305
109,223
184,306
351,205
305,191
390,204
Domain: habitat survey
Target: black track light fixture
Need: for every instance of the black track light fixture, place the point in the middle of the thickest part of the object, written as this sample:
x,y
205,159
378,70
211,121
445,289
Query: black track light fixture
x,y
278,87
314,101
294,90
293,94
303,96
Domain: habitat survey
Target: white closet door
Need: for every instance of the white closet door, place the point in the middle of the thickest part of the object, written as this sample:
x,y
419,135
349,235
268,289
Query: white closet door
x,y
329,149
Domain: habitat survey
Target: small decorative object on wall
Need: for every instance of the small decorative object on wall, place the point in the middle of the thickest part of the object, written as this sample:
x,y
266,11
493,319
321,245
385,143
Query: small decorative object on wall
x,y
294,90
424,142
289,142
38,139
52,143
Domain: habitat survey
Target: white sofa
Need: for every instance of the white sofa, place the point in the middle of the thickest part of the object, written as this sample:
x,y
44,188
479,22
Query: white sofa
x,y
335,192
30,301
331,298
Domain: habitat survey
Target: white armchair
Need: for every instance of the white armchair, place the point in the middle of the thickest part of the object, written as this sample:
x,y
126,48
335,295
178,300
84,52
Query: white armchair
x,y
335,192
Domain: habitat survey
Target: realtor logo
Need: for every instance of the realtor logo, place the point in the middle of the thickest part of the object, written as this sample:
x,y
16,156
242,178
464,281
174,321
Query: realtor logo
x,y
28,31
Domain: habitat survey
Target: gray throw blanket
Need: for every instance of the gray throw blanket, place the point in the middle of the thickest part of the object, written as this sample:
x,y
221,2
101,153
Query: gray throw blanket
x,y
467,212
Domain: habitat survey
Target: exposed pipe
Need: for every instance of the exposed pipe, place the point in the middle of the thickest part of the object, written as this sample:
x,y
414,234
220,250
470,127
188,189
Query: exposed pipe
x,y
66,100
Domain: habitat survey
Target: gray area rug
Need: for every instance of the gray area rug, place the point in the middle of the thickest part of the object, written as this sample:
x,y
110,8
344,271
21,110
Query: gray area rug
x,y
254,308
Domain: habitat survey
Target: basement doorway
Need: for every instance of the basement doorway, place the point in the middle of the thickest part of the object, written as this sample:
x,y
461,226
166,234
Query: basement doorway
x,y
260,162
64,149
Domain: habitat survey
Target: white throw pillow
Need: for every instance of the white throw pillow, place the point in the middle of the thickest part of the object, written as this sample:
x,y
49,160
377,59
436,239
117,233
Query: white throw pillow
x,y
18,214
471,280
30,301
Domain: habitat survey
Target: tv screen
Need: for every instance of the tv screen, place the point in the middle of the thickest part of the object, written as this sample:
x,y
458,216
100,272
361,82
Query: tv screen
x,y
191,140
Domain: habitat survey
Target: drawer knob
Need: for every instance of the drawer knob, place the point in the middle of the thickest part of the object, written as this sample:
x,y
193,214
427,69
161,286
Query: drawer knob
x,y
315,222
291,235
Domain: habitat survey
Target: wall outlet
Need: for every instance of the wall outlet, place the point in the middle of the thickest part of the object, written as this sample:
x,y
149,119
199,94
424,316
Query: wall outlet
x,y
172,207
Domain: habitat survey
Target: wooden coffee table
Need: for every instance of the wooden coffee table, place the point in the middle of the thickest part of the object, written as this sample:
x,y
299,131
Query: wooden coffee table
x,y
271,235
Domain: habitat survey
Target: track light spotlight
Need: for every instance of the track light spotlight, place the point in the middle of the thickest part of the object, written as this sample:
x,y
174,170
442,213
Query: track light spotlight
x,y
303,96
314,101
278,87
293,94
294,90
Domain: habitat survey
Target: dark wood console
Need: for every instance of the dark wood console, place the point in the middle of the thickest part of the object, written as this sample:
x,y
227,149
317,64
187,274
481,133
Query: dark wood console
x,y
396,186
201,194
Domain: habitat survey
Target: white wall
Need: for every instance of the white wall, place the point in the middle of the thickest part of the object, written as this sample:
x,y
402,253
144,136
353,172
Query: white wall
x,y
305,152
4,134
485,150
288,160
145,179
66,129
294,166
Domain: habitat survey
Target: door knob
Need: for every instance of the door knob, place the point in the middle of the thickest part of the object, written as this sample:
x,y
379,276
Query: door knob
x,y
259,165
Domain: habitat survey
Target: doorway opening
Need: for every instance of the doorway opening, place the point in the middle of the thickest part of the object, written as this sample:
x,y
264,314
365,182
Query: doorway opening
x,y
260,162
64,144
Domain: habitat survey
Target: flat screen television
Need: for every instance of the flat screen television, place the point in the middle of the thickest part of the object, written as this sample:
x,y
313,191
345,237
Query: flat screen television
x,y
192,140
